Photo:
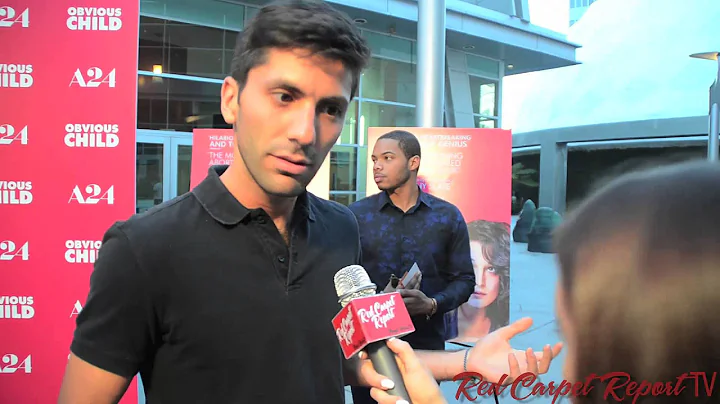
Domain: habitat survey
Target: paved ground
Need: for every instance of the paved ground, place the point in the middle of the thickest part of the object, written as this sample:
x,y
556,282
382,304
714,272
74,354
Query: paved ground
x,y
532,288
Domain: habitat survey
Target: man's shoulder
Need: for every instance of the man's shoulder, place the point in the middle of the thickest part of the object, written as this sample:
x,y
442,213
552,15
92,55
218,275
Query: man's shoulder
x,y
364,204
443,205
330,210
160,221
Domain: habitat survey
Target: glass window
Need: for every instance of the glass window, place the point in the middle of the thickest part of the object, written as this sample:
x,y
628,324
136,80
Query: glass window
x,y
349,132
483,66
390,47
250,12
184,160
343,168
179,105
377,114
221,14
484,96
389,80
362,171
345,199
149,176
483,122
179,48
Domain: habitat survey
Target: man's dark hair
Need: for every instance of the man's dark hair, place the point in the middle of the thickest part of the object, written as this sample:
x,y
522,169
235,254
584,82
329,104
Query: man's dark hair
x,y
300,24
408,143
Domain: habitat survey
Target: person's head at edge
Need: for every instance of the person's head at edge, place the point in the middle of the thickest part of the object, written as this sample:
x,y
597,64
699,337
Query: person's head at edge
x,y
639,274
396,160
490,250
295,70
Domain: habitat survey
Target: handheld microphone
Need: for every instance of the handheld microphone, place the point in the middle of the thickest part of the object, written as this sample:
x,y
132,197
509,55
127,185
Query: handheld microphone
x,y
367,320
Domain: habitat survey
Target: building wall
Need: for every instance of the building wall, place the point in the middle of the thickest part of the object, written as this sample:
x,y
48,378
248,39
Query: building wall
x,y
578,8
186,50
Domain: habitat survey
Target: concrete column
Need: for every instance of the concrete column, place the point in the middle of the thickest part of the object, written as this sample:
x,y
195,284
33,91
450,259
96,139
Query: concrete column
x,y
553,175
430,63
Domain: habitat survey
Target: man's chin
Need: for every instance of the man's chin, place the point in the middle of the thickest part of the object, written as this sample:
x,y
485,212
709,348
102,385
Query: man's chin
x,y
286,188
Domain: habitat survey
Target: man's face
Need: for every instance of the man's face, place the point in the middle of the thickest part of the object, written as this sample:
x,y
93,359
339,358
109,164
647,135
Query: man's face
x,y
391,168
289,115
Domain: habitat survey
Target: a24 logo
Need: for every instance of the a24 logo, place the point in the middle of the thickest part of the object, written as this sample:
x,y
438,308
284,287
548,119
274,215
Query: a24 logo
x,y
92,194
9,17
11,363
93,78
8,134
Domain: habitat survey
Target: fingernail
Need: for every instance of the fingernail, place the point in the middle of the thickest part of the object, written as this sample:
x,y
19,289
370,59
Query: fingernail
x,y
401,402
387,383
392,339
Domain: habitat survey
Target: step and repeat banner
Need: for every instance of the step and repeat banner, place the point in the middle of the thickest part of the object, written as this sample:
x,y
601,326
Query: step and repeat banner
x,y
68,91
471,168
213,147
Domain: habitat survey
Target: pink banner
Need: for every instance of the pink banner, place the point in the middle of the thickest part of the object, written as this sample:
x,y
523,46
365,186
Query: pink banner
x,y
211,147
68,93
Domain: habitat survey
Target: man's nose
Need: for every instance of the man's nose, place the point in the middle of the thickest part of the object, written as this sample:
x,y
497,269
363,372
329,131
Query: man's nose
x,y
303,127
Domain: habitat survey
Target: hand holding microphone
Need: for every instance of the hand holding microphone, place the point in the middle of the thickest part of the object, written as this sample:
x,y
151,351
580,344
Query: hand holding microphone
x,y
420,384
367,320
371,323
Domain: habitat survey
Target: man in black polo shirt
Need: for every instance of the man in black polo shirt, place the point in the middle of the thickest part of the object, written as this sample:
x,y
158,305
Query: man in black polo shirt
x,y
225,294
402,226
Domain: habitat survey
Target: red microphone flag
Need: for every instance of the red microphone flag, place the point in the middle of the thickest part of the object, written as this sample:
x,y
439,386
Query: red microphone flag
x,y
370,319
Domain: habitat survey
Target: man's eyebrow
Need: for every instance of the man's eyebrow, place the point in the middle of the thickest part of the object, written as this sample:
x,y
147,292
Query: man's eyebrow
x,y
287,86
294,90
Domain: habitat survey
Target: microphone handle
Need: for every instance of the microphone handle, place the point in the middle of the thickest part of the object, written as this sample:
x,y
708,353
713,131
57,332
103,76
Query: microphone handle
x,y
383,360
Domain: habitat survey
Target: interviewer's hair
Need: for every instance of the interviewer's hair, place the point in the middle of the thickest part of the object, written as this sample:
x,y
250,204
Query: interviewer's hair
x,y
300,24
640,274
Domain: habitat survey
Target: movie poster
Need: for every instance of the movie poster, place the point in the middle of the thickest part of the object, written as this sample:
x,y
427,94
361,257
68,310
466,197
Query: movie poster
x,y
471,168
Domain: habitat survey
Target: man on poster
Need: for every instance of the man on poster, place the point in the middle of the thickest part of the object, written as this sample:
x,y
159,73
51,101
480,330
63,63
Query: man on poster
x,y
403,227
216,295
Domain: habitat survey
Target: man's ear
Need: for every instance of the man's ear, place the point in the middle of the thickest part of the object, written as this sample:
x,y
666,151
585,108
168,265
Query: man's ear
x,y
229,100
414,163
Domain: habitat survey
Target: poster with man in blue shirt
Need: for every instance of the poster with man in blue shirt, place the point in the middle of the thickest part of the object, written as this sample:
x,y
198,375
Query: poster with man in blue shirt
x,y
401,226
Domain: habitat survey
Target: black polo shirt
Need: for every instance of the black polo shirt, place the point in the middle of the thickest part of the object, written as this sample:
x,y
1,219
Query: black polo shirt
x,y
204,298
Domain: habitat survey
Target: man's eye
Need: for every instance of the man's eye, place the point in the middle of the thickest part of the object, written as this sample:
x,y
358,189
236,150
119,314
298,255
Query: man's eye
x,y
333,110
284,97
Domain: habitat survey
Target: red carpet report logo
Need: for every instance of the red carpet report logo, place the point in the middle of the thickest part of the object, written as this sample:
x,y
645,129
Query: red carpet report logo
x,y
619,387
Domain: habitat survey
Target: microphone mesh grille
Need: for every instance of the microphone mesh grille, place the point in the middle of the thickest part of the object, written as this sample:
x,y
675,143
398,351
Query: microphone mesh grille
x,y
352,282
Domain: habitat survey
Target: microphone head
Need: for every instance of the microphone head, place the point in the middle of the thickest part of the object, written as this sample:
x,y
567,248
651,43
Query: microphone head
x,y
352,282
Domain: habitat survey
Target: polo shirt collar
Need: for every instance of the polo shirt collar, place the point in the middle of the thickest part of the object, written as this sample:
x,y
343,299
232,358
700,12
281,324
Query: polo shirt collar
x,y
219,203
423,198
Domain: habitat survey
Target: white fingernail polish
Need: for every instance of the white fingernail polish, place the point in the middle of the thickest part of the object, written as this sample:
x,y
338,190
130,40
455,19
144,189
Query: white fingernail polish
x,y
401,402
387,383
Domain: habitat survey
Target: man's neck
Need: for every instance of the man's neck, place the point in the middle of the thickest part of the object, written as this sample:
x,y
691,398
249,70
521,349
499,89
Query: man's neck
x,y
405,196
244,188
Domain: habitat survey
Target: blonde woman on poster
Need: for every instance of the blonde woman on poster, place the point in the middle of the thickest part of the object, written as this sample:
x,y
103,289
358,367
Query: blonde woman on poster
x,y
488,306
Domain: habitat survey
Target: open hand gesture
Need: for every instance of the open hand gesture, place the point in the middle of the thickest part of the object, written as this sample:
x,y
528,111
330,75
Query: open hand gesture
x,y
493,356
